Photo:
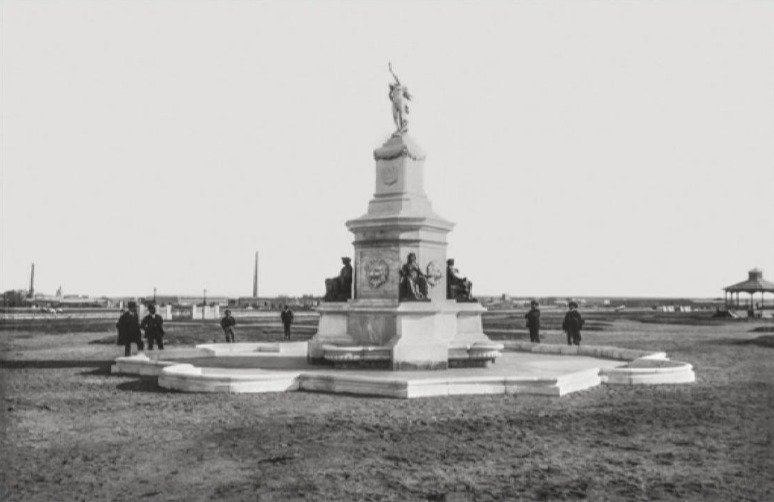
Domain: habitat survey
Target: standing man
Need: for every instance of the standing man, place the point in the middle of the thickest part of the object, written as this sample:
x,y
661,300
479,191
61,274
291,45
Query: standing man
x,y
152,324
572,325
287,320
533,322
228,323
129,330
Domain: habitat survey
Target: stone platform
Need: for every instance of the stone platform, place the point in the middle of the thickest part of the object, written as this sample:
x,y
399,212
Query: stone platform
x,y
524,368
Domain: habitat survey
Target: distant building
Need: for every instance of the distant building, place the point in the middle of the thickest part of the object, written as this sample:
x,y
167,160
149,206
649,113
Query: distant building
x,y
755,283
71,301
187,300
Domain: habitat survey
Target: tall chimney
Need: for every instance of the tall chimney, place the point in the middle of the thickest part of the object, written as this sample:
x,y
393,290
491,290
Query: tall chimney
x,y
255,277
32,282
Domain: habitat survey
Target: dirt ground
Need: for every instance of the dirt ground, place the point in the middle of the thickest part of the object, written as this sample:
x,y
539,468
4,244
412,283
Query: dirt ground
x,y
72,431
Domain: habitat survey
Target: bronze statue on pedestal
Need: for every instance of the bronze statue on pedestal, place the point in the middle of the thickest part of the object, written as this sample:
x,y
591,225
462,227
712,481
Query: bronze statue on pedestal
x,y
413,283
457,287
339,289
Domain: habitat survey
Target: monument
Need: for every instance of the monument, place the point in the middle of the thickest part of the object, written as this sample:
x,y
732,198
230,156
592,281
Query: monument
x,y
400,311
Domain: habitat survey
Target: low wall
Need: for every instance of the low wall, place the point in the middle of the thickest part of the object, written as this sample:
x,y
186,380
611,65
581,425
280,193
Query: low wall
x,y
41,314
600,351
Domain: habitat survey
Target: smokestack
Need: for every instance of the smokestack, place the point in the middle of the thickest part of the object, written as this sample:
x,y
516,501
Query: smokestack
x,y
32,282
255,277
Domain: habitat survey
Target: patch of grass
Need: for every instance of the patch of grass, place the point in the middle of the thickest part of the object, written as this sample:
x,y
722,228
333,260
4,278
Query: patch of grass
x,y
189,333
74,432
761,341
58,325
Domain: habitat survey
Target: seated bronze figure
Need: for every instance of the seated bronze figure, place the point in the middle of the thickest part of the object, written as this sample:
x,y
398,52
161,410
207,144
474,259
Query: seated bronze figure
x,y
413,282
457,288
339,289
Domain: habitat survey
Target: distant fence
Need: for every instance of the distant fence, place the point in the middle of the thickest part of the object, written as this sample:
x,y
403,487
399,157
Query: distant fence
x,y
19,314
167,312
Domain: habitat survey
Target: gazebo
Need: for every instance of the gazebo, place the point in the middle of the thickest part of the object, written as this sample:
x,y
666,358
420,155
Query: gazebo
x,y
754,284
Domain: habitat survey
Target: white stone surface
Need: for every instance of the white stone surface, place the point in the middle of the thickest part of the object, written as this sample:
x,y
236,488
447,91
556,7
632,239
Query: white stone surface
x,y
542,375
188,378
655,372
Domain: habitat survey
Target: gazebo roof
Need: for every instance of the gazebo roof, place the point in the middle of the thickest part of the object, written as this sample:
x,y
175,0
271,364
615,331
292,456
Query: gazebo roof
x,y
755,282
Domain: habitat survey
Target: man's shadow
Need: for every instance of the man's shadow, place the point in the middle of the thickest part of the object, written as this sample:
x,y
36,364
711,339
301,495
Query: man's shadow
x,y
97,367
140,383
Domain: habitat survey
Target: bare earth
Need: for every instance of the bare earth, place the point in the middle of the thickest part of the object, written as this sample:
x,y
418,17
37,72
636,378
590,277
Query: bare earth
x,y
72,431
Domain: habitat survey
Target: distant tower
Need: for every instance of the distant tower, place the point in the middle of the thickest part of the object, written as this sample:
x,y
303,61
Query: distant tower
x,y
255,277
32,282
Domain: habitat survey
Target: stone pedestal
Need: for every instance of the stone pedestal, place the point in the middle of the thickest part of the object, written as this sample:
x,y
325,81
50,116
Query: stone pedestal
x,y
418,335
400,220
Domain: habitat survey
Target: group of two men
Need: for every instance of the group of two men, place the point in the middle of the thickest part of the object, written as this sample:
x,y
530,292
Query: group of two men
x,y
228,322
572,324
130,328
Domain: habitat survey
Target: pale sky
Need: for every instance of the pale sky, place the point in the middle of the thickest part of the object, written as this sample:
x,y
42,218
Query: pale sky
x,y
581,148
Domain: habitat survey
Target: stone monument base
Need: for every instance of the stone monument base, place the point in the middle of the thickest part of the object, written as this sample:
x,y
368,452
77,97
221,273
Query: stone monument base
x,y
402,335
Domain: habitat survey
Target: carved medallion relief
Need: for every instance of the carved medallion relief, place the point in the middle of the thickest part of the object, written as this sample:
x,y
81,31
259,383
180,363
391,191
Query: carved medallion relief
x,y
377,272
434,274
390,175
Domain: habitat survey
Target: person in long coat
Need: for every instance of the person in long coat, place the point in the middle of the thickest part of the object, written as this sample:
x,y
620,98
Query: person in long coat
x,y
227,324
572,325
287,319
153,325
533,322
129,330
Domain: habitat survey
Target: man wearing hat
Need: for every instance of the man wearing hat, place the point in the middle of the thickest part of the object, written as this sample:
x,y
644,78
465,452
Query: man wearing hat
x,y
287,319
227,323
533,322
129,330
152,324
572,325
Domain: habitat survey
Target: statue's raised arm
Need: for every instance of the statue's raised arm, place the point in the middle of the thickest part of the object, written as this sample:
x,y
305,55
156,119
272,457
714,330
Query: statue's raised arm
x,y
399,96
397,80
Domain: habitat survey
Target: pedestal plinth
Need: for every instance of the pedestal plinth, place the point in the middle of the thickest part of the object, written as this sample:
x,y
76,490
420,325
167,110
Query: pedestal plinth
x,y
400,220
376,325
415,335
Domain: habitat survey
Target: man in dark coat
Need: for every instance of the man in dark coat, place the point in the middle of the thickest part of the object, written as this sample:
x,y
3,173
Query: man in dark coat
x,y
152,324
572,325
287,320
129,330
227,323
533,322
